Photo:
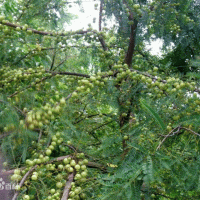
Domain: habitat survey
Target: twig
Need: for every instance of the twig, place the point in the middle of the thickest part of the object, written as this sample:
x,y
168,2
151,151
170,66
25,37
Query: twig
x,y
45,32
96,165
170,133
69,73
91,132
85,118
40,135
67,187
53,59
190,131
60,64
72,147
81,113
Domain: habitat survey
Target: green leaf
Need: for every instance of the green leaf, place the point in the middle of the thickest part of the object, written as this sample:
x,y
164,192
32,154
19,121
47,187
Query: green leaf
x,y
188,119
154,114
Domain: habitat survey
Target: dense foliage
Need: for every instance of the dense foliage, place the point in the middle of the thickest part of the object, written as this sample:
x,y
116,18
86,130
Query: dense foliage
x,y
91,114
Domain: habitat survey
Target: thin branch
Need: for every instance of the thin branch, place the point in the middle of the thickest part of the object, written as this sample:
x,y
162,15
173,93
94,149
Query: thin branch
x,y
22,58
190,131
72,147
60,63
103,44
67,187
40,135
96,165
53,59
81,113
85,118
69,73
81,32
171,133
91,132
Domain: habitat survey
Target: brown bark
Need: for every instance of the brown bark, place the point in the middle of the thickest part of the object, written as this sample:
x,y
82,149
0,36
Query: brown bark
x,y
131,47
67,187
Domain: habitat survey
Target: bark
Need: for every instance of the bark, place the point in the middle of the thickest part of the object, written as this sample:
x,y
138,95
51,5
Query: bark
x,y
67,187
131,47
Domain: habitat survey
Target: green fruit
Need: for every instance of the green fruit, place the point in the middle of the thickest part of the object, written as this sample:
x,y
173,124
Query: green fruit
x,y
62,101
85,161
77,167
73,163
29,31
83,167
66,161
5,164
2,17
124,114
83,195
74,94
70,169
26,197
17,187
18,28
60,167
126,137
34,177
59,185
84,174
17,171
52,191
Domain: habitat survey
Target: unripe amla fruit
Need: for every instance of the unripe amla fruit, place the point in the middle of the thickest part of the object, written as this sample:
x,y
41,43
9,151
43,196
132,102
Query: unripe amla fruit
x,y
73,163
18,28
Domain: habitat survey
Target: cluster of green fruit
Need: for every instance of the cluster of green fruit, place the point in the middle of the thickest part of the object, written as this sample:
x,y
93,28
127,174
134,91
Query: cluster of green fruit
x,y
13,79
51,170
9,127
86,84
134,8
155,83
43,116
17,26
4,25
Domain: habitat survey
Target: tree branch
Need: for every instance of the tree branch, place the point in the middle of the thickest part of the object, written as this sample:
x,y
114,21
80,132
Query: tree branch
x,y
131,46
171,133
69,73
81,32
67,187
53,60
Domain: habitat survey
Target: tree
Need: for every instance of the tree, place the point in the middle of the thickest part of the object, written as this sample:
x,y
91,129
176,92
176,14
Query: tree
x,y
92,114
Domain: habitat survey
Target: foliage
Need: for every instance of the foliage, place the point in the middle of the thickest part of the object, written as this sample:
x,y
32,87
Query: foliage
x,y
91,114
